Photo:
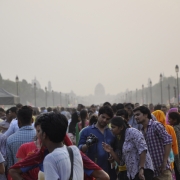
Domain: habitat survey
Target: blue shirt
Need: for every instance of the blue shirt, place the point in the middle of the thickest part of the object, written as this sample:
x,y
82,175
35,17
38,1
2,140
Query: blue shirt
x,y
133,123
96,150
23,135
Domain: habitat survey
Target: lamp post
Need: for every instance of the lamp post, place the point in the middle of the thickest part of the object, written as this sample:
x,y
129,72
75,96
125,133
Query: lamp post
x,y
177,70
53,97
46,95
161,88
143,94
35,94
17,81
60,98
136,95
151,90
169,93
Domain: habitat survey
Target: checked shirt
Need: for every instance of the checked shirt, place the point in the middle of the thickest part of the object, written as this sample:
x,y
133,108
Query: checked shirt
x,y
156,138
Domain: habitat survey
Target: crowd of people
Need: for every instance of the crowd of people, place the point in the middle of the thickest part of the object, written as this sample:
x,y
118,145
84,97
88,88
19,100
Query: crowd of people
x,y
122,141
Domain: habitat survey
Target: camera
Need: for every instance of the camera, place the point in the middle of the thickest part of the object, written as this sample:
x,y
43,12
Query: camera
x,y
92,139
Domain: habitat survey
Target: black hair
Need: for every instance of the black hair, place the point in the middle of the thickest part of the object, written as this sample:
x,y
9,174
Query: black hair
x,y
62,109
19,105
122,112
106,110
35,111
157,107
93,119
107,104
74,121
129,104
2,110
37,121
49,109
13,109
114,108
55,110
175,116
81,106
143,110
7,111
54,125
120,122
119,106
25,114
83,116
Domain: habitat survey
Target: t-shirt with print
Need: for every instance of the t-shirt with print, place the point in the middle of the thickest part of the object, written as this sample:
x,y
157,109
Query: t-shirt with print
x,y
57,165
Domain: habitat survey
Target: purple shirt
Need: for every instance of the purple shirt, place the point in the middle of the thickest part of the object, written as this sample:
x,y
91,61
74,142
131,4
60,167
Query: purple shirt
x,y
133,146
156,138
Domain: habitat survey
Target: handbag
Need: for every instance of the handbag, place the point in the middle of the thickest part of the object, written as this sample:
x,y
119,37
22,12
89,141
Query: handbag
x,y
72,160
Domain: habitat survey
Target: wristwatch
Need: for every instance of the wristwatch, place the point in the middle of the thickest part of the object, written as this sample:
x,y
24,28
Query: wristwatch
x,y
140,167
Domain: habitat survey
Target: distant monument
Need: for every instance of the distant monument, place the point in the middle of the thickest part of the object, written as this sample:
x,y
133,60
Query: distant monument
x,y
99,90
37,83
99,94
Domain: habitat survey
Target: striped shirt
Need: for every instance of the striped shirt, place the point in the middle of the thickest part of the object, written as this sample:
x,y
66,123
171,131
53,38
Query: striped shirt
x,y
156,138
23,135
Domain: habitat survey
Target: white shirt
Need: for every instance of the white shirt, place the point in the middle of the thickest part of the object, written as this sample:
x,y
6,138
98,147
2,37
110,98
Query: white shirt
x,y
57,165
13,127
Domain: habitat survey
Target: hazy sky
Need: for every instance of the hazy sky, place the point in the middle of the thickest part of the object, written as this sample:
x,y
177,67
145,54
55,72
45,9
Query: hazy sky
x,y
77,44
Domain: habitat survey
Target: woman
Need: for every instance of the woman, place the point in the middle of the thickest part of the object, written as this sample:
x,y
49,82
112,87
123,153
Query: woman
x,y
83,123
93,119
132,151
174,120
160,116
167,115
72,127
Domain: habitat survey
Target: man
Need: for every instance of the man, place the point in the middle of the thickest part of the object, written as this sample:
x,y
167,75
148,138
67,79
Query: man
x,y
159,143
5,124
94,109
151,107
26,133
14,124
136,105
131,119
2,114
101,130
80,107
57,163
66,113
164,109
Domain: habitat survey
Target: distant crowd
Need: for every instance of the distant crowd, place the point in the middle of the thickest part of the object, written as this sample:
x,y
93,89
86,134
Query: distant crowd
x,y
121,141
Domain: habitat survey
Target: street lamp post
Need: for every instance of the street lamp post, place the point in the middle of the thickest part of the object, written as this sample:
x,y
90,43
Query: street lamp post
x,y
35,94
169,93
17,81
177,70
53,97
60,98
161,88
151,90
136,95
143,94
46,95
